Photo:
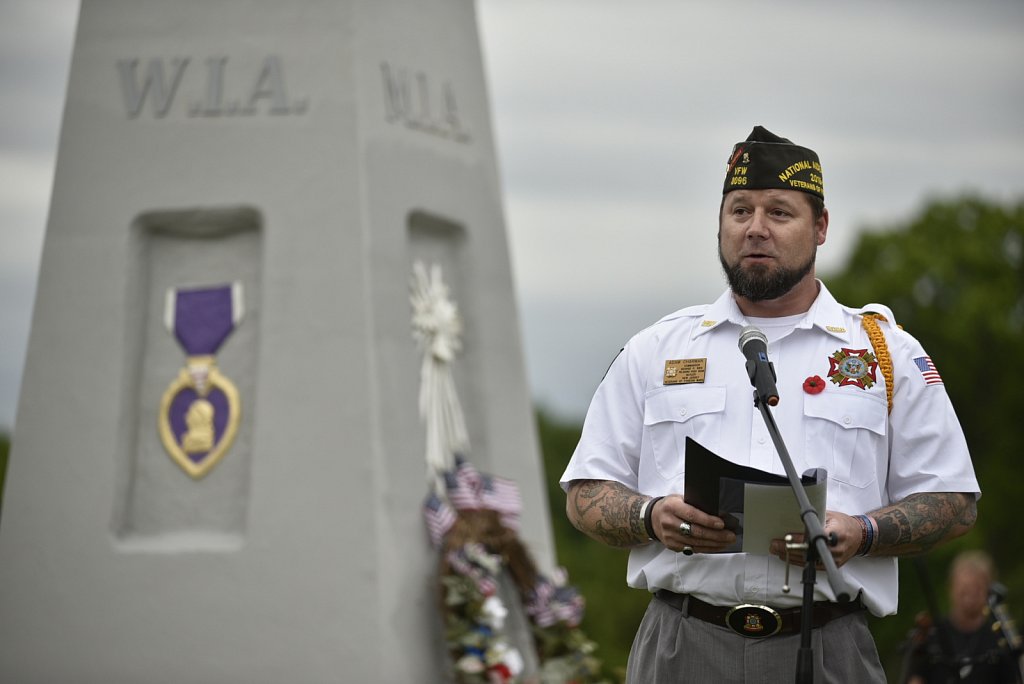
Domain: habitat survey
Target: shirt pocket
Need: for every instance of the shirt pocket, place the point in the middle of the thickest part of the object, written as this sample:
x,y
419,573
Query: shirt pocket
x,y
673,414
848,431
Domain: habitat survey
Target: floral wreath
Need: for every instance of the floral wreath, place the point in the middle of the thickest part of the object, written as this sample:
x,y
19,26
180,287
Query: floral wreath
x,y
474,526
473,520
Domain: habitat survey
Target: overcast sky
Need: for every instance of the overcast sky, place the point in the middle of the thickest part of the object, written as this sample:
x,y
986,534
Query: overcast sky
x,y
613,122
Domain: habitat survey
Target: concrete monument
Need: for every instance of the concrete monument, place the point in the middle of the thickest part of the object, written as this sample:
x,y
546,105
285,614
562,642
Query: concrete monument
x,y
218,464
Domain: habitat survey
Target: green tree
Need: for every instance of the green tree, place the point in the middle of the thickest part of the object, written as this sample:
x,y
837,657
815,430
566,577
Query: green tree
x,y
954,278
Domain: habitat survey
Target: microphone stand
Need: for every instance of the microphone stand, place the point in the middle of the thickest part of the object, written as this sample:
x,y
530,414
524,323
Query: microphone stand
x,y
814,539
1005,627
942,633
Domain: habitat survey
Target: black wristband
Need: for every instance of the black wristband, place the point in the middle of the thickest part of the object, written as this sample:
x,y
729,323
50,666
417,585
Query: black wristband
x,y
648,525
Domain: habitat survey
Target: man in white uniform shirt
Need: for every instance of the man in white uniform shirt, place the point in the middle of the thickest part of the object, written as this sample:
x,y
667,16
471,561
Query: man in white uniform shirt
x,y
859,398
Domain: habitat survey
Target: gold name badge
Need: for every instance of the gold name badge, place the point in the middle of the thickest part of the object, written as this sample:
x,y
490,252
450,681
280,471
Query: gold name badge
x,y
685,371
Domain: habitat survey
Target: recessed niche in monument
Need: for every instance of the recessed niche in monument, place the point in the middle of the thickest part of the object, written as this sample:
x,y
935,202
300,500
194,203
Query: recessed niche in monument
x,y
437,240
194,294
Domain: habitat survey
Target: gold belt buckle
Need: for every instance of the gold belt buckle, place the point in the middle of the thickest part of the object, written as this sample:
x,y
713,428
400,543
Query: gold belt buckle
x,y
753,621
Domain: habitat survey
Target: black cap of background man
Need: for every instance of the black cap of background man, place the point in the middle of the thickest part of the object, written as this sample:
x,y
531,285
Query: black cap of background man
x,y
765,161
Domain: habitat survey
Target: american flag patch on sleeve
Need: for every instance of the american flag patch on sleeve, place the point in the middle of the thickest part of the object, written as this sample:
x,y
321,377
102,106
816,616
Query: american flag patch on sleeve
x,y
928,370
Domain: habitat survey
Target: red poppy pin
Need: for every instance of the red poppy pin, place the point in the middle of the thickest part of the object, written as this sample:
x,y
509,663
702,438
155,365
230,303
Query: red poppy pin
x,y
814,385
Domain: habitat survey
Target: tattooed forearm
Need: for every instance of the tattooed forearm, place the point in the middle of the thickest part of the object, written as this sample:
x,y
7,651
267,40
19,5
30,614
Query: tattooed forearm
x,y
607,511
921,521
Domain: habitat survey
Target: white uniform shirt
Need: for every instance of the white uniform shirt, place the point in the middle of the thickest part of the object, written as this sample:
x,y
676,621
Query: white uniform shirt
x,y
636,428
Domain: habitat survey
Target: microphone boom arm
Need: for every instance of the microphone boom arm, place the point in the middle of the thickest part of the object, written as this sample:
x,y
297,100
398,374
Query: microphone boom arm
x,y
754,346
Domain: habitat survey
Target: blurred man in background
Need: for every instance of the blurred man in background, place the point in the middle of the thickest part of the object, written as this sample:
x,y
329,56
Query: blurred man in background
x,y
969,645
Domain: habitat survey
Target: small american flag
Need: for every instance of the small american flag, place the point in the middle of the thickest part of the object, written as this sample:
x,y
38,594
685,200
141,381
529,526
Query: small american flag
x,y
461,493
928,370
439,516
502,495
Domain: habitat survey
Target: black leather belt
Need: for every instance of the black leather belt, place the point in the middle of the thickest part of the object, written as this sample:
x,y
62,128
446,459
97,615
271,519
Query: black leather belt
x,y
756,621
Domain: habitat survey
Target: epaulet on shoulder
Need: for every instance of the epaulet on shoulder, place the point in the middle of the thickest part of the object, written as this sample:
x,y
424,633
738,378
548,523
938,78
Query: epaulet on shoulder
x,y
689,312
880,313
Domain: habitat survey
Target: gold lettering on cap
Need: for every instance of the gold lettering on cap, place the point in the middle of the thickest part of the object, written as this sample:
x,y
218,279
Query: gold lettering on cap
x,y
815,185
794,168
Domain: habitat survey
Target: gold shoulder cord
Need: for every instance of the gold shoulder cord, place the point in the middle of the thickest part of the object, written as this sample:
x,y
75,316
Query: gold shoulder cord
x,y
877,338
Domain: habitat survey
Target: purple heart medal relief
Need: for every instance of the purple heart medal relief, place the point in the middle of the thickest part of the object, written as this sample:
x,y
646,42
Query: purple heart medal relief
x,y
200,411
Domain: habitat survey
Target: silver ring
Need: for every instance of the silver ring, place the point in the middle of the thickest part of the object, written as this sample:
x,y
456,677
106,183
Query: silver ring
x,y
687,550
685,528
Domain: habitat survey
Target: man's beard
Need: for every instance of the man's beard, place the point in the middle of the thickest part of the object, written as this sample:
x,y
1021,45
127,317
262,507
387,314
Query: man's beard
x,y
759,282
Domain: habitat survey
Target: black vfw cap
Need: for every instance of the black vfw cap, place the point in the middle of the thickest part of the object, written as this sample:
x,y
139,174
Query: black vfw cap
x,y
766,161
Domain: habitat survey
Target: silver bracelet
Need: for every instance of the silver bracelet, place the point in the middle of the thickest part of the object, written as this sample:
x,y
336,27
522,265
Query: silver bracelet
x,y
645,518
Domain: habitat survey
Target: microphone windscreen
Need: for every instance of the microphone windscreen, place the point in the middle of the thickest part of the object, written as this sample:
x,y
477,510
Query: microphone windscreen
x,y
751,333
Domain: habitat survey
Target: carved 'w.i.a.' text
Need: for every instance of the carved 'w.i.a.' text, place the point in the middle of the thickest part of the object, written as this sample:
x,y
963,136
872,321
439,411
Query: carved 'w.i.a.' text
x,y
219,91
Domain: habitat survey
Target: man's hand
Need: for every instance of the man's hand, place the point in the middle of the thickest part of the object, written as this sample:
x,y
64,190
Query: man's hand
x,y
909,527
848,538
610,513
707,533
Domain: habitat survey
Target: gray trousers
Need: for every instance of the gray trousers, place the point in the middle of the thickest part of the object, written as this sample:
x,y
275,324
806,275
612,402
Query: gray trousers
x,y
671,647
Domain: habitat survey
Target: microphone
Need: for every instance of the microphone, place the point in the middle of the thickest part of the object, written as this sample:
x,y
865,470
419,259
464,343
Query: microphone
x,y
754,346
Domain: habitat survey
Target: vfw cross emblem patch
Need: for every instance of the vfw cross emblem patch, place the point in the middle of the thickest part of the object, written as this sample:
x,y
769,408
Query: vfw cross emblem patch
x,y
200,411
852,367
